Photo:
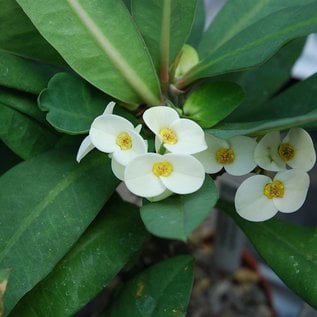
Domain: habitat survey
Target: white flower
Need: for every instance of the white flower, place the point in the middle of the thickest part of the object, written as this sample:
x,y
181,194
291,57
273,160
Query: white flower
x,y
154,176
259,197
295,150
181,136
115,135
86,146
235,155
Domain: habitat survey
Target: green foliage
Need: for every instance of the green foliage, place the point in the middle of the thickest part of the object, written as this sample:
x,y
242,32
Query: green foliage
x,y
101,39
19,73
256,43
213,102
177,216
20,37
165,26
160,291
198,24
72,104
23,135
114,237
290,250
61,235
46,204
294,107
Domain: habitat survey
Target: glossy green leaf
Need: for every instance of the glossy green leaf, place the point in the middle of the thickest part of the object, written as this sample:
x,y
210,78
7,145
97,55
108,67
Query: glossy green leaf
x,y
72,104
256,43
23,135
165,26
290,250
22,102
236,16
22,74
46,204
198,24
263,82
20,37
162,290
213,102
7,158
294,107
109,243
177,216
4,276
99,41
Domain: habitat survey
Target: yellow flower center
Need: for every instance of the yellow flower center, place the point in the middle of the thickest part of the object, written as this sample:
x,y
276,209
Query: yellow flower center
x,y
286,151
168,135
225,156
124,141
163,168
274,190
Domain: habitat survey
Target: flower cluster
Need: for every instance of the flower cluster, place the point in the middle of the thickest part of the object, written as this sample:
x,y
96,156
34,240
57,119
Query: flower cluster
x,y
173,169
184,153
260,197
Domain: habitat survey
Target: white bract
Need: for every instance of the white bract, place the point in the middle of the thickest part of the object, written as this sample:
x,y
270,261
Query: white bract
x,y
155,176
115,135
259,197
296,150
235,155
178,135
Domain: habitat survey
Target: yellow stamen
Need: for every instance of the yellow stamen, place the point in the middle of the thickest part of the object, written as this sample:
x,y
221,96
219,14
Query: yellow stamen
x,y
168,135
124,141
163,168
274,190
225,156
286,151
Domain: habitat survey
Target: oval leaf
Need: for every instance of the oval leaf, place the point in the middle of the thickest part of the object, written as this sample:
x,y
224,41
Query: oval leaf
x,y
4,276
71,103
100,42
23,135
162,290
256,43
46,204
177,216
290,250
22,74
165,26
213,102
21,37
295,106
109,243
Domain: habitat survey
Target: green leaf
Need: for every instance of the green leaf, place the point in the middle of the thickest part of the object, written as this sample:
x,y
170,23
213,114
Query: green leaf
x,y
162,290
263,82
4,276
22,74
177,216
290,250
213,102
198,24
256,43
109,243
23,135
294,107
20,37
99,41
165,26
22,102
72,104
46,204
236,16
7,158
